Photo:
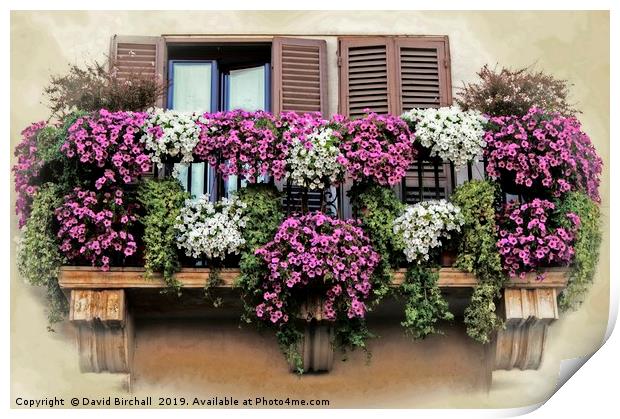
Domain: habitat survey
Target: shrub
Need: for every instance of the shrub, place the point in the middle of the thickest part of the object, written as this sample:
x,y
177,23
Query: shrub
x,y
514,92
94,87
587,245
162,201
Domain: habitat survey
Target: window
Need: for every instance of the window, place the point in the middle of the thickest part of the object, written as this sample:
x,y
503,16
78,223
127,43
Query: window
x,y
276,74
208,78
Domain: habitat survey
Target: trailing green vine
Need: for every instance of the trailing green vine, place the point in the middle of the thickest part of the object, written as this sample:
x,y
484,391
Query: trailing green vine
x,y
162,201
38,256
263,214
587,245
424,306
478,254
377,207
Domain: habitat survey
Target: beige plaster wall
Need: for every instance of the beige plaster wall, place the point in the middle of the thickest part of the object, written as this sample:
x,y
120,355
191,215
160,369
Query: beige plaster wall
x,y
571,45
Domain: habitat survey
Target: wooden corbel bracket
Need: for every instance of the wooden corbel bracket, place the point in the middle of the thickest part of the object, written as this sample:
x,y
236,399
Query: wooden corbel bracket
x,y
528,313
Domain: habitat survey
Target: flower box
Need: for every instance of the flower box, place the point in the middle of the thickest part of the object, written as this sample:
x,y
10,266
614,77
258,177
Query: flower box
x,y
86,277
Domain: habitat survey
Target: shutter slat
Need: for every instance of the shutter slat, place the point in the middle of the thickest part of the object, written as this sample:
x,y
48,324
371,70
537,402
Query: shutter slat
x,y
357,51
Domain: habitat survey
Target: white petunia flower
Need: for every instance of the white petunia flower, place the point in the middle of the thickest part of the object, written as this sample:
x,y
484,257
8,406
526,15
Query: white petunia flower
x,y
449,132
210,229
423,225
316,161
170,133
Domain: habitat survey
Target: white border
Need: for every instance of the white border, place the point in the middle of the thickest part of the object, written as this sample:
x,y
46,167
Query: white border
x,y
590,393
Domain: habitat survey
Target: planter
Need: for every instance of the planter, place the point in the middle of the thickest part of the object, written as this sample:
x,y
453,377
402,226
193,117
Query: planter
x,y
509,186
448,258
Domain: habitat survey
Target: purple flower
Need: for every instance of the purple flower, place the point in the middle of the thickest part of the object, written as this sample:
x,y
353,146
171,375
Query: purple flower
x,y
321,260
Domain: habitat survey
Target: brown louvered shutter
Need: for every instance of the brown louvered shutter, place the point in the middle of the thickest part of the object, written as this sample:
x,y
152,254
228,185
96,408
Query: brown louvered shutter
x,y
299,84
423,81
299,79
138,54
422,73
366,75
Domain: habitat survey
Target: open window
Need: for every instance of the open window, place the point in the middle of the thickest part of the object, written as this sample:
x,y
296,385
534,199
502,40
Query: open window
x,y
210,73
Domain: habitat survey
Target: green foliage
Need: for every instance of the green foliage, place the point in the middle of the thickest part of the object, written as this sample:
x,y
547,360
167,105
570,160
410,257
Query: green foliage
x,y
478,254
290,338
263,214
215,280
162,201
55,166
38,256
587,245
480,316
425,305
377,207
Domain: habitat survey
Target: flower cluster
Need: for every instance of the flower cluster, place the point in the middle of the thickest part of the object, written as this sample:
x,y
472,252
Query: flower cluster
x,y
242,143
450,133
25,170
109,141
333,257
210,229
527,241
378,147
315,161
543,152
423,225
171,133
94,227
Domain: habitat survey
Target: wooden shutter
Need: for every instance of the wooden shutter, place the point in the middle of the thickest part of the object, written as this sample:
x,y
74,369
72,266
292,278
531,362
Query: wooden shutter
x,y
422,73
299,77
138,54
423,81
366,75
299,84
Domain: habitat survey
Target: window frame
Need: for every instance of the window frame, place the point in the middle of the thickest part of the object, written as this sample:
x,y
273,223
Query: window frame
x,y
215,92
